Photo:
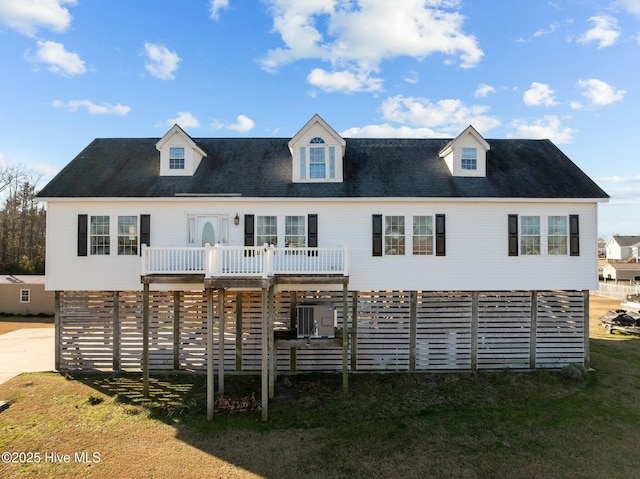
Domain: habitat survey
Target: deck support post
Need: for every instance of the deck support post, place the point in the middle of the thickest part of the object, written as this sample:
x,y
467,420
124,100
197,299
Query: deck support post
x,y
345,338
145,339
475,317
57,332
293,321
413,329
533,329
116,331
585,306
221,342
176,330
265,357
272,348
210,373
238,332
354,331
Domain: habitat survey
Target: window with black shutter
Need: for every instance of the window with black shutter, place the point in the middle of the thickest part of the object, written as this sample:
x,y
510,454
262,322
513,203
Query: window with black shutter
x,y
440,236
249,232
513,235
82,235
574,236
376,249
145,230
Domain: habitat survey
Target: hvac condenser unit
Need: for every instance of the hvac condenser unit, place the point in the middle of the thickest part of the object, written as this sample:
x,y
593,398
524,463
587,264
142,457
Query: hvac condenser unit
x,y
316,321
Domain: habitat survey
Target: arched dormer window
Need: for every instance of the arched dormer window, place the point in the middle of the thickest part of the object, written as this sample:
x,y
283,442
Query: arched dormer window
x,y
317,152
322,160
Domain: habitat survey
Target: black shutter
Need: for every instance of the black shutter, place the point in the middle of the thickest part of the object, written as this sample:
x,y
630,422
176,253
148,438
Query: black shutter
x,y
574,236
312,233
513,235
441,249
82,235
145,231
249,230
377,236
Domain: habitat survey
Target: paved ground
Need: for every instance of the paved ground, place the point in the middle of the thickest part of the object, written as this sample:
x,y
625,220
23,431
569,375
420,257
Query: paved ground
x,y
26,350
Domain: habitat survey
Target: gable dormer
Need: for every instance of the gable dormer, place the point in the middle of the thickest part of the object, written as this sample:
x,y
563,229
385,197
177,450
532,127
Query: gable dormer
x,y
466,154
317,152
179,154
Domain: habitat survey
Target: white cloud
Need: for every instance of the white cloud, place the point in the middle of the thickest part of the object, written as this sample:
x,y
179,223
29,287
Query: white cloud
x,y
548,127
59,60
161,62
483,90
605,31
345,81
539,94
450,115
216,6
184,120
243,123
357,36
542,32
600,93
412,77
28,16
619,179
93,108
387,130
47,171
631,6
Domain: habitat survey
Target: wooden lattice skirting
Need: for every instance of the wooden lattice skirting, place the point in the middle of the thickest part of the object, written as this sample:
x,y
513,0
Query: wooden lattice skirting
x,y
393,330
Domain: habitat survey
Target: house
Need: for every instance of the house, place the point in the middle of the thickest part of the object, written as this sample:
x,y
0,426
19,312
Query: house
x,y
622,247
25,295
319,252
621,272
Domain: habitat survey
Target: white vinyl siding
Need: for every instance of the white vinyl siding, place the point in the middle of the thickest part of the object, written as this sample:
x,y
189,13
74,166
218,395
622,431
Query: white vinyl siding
x,y
476,242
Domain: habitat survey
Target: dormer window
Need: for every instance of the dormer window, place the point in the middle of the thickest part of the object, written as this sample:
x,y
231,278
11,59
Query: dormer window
x,y
317,152
176,158
322,160
466,154
179,154
469,159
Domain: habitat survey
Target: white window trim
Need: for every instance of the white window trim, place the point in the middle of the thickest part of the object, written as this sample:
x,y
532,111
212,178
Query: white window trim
x,y
22,292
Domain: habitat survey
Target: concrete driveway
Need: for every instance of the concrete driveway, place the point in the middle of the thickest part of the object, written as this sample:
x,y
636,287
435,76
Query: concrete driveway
x,y
26,350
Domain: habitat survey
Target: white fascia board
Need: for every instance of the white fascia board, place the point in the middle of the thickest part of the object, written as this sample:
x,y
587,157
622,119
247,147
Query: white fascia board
x,y
254,199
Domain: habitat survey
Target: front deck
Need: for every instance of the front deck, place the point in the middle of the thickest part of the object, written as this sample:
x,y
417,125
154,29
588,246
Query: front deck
x,y
244,266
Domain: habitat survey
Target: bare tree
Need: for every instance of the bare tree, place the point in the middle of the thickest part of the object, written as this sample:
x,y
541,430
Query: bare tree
x,y
22,222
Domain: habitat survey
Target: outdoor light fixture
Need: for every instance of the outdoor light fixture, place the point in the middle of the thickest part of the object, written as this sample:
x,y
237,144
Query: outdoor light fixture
x,y
236,220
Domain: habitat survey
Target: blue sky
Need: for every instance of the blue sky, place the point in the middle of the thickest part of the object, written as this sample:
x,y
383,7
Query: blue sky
x,y
75,70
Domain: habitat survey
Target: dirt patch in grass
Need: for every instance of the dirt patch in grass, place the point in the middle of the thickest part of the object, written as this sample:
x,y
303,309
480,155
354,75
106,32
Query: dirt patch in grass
x,y
12,323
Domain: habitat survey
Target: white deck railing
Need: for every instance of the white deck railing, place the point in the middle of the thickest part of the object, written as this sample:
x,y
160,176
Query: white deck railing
x,y
258,261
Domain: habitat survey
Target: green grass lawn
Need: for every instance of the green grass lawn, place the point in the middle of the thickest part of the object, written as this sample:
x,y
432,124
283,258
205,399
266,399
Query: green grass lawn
x,y
489,425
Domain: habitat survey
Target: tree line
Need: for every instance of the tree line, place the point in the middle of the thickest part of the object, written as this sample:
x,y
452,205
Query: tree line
x,y
22,223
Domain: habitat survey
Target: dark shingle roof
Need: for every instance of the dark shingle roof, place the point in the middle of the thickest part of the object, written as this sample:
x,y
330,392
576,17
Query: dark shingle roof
x,y
261,167
627,240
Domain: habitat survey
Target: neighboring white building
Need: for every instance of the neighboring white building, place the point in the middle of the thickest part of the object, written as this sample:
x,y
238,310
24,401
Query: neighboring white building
x,y
450,254
622,247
